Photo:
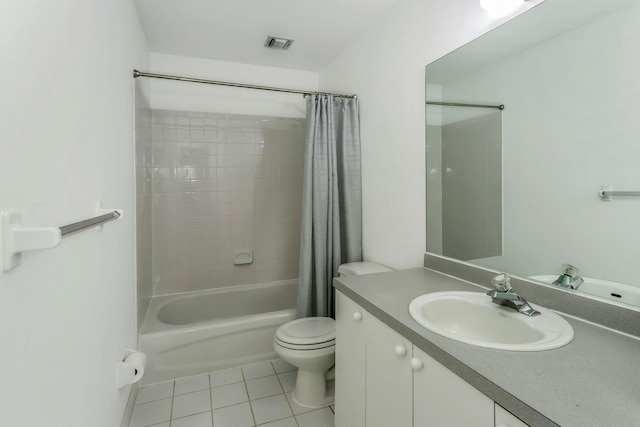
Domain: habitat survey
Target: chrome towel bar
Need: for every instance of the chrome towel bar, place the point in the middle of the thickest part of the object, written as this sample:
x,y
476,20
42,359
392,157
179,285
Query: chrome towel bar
x,y
16,238
606,193
88,223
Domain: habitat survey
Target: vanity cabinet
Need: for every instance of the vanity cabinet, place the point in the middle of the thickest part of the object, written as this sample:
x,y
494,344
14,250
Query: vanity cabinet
x,y
388,397
350,363
383,380
441,398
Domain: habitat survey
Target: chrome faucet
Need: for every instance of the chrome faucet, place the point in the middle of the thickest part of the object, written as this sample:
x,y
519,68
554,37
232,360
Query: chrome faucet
x,y
569,277
505,295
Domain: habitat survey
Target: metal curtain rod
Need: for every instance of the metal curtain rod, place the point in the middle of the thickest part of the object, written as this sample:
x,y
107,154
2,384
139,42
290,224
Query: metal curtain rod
x,y
137,74
88,223
457,104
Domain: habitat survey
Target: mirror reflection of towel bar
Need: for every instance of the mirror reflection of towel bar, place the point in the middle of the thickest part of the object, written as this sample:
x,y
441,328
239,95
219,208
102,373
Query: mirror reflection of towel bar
x,y
459,104
606,193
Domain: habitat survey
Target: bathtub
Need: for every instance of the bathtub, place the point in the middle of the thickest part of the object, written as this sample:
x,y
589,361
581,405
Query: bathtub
x,y
197,332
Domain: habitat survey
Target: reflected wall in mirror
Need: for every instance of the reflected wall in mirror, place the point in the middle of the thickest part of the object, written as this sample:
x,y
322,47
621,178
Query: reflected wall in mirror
x,y
568,74
466,157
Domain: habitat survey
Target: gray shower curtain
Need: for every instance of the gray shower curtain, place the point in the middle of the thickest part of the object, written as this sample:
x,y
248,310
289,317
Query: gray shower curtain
x,y
331,229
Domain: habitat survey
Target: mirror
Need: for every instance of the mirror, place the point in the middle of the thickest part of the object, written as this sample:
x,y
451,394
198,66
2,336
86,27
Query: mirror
x,y
517,190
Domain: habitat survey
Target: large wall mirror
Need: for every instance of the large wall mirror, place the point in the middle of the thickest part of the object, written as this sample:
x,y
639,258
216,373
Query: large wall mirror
x,y
517,189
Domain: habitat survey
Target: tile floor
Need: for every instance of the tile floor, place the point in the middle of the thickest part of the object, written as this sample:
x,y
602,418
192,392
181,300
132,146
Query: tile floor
x,y
252,395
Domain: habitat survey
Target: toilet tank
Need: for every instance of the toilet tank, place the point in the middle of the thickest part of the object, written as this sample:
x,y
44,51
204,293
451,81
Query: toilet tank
x,y
359,268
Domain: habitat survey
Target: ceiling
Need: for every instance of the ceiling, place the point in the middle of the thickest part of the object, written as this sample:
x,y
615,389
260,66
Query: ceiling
x,y
235,30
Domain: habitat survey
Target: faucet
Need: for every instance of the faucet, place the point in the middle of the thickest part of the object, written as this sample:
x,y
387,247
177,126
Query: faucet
x,y
569,277
505,295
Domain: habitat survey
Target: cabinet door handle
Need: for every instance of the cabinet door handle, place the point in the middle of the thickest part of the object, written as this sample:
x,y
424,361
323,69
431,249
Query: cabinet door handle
x,y
416,364
357,316
400,350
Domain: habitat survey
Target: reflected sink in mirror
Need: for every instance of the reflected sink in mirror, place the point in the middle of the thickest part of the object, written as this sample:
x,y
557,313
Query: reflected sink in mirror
x,y
471,318
601,288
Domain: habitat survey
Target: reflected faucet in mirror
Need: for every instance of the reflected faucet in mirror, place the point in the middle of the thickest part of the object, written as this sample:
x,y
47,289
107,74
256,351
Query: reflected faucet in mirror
x,y
505,295
569,277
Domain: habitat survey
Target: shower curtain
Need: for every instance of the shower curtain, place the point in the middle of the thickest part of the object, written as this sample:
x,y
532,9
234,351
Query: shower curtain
x,y
331,226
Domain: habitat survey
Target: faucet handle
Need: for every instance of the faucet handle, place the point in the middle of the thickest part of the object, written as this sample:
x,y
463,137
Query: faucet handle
x,y
502,282
570,270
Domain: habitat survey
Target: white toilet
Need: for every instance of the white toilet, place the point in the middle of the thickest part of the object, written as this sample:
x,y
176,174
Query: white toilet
x,y
309,344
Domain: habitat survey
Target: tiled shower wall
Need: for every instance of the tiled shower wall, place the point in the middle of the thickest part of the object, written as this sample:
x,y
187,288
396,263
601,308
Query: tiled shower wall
x,y
223,183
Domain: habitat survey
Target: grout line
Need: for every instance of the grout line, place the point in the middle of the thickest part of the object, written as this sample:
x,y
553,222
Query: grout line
x,y
173,395
210,396
246,389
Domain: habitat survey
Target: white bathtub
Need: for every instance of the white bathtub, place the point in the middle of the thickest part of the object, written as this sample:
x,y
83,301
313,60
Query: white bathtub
x,y
196,332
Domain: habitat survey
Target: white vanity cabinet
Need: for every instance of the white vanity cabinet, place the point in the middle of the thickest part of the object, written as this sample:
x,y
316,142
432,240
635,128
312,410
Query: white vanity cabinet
x,y
350,363
388,385
383,380
441,398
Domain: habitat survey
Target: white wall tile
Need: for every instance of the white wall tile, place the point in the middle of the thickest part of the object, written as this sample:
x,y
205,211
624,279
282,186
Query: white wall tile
x,y
209,197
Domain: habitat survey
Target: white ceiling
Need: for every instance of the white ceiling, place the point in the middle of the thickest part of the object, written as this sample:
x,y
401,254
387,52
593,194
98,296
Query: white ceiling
x,y
235,30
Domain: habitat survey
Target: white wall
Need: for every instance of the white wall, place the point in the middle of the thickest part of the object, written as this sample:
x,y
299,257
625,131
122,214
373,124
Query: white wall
x,y
385,67
185,96
66,141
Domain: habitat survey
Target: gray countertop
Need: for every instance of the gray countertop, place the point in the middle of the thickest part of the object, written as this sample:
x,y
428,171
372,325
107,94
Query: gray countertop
x,y
592,381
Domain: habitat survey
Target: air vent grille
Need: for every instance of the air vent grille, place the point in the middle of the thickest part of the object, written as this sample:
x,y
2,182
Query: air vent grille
x,y
278,43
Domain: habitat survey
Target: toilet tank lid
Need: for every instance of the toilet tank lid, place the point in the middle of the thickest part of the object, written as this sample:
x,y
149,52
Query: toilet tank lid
x,y
358,268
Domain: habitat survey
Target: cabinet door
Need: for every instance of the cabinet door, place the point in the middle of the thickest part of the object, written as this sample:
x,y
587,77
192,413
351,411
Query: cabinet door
x,y
388,386
441,398
350,363
506,419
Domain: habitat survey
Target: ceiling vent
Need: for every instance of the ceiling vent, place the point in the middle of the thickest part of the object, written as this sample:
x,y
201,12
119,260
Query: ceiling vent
x,y
278,43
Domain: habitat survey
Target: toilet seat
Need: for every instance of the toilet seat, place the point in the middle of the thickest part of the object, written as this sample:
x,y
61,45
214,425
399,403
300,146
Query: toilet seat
x,y
319,346
309,333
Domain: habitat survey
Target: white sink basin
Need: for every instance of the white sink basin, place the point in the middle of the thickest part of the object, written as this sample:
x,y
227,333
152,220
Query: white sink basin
x,y
602,288
471,317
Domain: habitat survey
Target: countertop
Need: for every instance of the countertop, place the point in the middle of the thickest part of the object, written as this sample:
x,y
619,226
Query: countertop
x,y
592,381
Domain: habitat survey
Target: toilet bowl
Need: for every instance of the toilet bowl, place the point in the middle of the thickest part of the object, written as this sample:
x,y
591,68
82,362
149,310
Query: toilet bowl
x,y
309,345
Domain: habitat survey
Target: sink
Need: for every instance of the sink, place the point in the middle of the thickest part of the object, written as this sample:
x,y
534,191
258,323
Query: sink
x,y
602,288
471,317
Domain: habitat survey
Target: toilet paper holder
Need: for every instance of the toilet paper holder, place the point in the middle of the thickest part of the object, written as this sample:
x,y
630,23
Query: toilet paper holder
x,y
131,368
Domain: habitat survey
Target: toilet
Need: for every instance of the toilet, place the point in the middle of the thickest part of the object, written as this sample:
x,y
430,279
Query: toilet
x,y
309,344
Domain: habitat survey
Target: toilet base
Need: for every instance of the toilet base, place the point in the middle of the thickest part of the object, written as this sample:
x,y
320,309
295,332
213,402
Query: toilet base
x,y
302,397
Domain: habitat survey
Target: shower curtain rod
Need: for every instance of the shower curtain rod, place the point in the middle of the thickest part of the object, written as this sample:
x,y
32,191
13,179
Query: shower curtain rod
x,y
137,74
457,104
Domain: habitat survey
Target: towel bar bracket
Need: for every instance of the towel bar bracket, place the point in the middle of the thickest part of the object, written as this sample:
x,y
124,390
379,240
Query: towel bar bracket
x,y
15,239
